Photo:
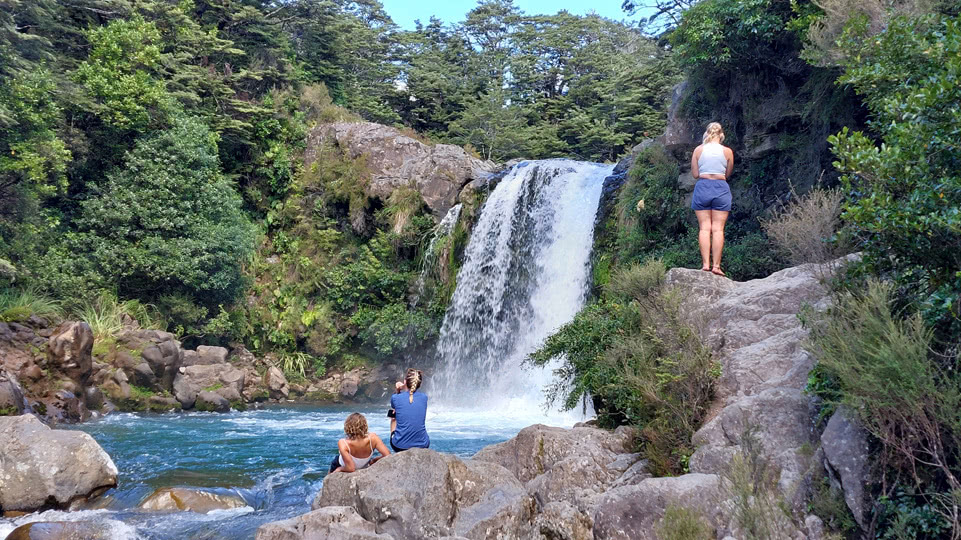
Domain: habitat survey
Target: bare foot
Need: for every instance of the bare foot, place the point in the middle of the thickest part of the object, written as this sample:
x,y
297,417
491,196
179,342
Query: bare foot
x,y
717,271
706,268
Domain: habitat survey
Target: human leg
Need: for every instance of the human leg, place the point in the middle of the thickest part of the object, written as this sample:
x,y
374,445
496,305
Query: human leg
x,y
718,220
704,237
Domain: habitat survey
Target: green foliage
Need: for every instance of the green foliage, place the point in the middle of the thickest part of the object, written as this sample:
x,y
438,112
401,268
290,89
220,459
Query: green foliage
x,y
882,368
107,315
681,523
168,221
17,305
640,364
393,328
906,192
827,503
905,514
750,483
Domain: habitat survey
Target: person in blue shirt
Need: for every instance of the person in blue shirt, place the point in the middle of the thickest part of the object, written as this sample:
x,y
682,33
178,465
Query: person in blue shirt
x,y
408,429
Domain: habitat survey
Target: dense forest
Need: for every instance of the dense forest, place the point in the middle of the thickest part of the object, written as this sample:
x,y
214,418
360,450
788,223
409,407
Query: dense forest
x,y
151,168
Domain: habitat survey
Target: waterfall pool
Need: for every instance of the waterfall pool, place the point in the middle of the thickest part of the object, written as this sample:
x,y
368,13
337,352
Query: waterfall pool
x,y
276,458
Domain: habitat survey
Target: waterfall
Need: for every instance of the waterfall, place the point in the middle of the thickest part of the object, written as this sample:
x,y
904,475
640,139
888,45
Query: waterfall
x,y
525,274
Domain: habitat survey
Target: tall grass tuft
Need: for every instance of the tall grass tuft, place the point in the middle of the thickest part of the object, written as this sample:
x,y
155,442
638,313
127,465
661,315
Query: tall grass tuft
x,y
107,315
638,280
681,523
17,305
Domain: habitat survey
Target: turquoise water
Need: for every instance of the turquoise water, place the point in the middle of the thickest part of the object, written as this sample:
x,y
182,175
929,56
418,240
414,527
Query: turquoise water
x,y
275,458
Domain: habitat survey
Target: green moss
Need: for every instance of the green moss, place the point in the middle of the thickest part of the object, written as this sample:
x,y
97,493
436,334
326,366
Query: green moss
x,y
40,408
320,395
141,392
15,314
9,411
214,387
238,405
103,347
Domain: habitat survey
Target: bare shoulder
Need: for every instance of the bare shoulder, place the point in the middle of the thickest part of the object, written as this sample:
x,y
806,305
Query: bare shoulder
x,y
374,437
727,150
342,444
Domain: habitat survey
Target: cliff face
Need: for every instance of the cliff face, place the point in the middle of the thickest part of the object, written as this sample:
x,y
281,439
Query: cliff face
x,y
395,160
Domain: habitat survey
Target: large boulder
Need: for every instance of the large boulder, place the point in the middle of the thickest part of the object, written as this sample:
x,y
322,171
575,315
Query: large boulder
x,y
205,355
41,467
164,360
846,455
395,160
69,351
191,500
421,493
564,465
335,522
635,512
276,383
222,379
209,401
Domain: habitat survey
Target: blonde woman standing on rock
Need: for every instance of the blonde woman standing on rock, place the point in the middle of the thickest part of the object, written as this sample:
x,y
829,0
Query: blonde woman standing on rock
x,y
712,164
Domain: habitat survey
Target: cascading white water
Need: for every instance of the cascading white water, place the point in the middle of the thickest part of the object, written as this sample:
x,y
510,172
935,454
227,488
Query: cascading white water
x,y
525,274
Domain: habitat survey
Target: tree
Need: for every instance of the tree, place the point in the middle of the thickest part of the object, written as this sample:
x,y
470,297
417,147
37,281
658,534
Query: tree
x,y
166,222
492,125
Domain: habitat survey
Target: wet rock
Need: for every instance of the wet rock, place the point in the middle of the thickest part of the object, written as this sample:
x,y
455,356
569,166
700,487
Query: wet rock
x,y
846,451
162,403
394,160
61,530
144,376
71,408
334,522
276,383
42,467
191,500
210,401
191,380
69,351
421,493
93,398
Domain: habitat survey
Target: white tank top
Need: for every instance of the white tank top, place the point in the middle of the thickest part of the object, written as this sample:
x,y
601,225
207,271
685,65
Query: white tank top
x,y
712,159
359,463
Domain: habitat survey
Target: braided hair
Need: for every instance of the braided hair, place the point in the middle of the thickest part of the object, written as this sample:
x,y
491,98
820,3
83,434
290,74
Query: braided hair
x,y
413,381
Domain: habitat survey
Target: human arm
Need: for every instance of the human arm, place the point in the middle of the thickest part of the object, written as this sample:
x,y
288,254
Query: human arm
x,y
345,458
729,154
694,157
380,447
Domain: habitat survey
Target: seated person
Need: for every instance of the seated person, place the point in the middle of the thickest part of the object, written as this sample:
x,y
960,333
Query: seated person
x,y
408,429
357,450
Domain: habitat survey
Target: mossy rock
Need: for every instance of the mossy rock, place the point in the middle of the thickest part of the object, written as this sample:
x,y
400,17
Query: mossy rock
x,y
15,314
9,411
238,405
321,395
39,408
214,387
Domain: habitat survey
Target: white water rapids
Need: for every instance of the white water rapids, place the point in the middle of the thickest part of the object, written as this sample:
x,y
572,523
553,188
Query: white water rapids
x,y
525,274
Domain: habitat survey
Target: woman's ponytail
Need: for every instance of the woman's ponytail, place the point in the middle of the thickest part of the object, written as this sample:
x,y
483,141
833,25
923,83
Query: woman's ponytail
x,y
413,381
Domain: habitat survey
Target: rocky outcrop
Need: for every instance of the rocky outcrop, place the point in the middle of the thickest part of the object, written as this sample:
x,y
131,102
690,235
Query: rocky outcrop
x,y
276,383
12,401
395,160
421,493
342,522
69,351
190,500
224,380
41,467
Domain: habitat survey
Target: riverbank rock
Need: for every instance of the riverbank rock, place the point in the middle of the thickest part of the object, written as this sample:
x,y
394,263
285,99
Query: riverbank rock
x,y
12,401
225,380
190,500
395,160
335,522
276,383
847,453
422,493
69,351
42,467
209,401
62,530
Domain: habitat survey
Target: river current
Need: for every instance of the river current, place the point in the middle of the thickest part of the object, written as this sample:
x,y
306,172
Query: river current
x,y
276,458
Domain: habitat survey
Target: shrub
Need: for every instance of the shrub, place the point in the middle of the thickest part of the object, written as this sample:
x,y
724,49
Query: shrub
x,y
805,229
680,523
884,371
107,315
639,362
393,328
750,483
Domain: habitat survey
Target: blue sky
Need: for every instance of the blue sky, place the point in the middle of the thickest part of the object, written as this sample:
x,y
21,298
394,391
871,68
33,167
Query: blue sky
x,y
404,12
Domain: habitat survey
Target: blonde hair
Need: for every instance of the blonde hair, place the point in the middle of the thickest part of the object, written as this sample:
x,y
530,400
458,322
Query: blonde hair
x,y
713,131
413,381
355,426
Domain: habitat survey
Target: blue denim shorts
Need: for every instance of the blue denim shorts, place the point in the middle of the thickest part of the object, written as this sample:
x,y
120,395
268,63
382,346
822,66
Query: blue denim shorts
x,y
711,195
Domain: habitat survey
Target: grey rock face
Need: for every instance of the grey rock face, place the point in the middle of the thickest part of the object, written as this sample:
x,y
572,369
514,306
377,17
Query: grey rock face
x,y
40,466
334,522
61,530
205,355
846,451
276,383
437,172
421,493
164,359
69,351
